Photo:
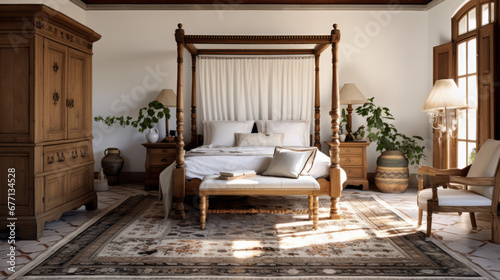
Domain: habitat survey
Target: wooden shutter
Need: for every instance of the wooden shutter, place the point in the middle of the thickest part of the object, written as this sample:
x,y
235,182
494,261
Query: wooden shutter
x,y
486,100
443,69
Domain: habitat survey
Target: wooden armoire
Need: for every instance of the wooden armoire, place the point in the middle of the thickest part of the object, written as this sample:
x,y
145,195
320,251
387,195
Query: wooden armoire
x,y
45,117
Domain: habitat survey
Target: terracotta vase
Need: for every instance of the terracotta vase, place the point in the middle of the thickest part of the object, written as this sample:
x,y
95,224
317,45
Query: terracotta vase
x,y
112,164
392,172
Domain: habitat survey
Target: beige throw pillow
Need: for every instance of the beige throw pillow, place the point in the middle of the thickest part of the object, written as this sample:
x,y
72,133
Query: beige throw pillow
x,y
290,163
258,139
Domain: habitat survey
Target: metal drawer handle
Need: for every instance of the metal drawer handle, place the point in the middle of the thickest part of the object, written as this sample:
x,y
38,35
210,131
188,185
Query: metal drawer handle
x,y
164,151
60,157
348,160
348,172
74,154
347,150
82,153
50,159
163,160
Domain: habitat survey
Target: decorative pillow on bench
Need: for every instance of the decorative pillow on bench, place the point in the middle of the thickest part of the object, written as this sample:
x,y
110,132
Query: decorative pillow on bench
x,y
291,163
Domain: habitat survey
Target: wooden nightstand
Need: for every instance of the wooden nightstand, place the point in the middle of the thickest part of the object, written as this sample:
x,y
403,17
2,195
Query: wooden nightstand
x,y
158,157
353,161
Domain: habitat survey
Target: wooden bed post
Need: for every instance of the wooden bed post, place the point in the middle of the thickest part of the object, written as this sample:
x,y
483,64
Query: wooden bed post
x,y
180,171
317,103
335,170
194,135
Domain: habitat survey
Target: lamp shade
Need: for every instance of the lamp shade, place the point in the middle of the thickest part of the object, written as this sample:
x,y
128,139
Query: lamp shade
x,y
167,97
350,94
444,95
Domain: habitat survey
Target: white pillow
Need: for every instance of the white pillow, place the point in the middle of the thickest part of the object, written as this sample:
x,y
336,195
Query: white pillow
x,y
296,132
485,165
290,163
258,139
221,133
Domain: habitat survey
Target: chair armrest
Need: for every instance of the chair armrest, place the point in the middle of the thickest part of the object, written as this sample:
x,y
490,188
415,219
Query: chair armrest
x,y
475,181
427,170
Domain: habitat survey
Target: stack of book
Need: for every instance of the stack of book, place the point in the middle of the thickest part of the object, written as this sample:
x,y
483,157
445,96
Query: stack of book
x,y
237,174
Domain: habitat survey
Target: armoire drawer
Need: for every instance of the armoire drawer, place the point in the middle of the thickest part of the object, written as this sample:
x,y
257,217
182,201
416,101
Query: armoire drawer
x,y
65,155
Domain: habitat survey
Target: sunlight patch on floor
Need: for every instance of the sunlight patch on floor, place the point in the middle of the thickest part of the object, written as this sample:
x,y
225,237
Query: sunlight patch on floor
x,y
243,249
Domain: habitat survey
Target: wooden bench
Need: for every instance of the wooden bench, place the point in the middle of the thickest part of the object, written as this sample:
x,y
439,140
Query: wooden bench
x,y
260,185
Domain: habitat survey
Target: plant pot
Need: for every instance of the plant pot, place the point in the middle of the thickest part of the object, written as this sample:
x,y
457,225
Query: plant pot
x,y
392,172
342,137
153,135
112,164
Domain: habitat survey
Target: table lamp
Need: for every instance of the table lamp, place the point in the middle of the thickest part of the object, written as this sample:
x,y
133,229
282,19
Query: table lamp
x,y
349,95
168,99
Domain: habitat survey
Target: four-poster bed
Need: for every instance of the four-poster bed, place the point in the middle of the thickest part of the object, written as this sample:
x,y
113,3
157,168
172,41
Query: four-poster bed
x,y
330,186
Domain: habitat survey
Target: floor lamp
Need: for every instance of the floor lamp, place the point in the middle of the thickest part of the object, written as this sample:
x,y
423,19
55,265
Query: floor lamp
x,y
442,106
168,99
349,95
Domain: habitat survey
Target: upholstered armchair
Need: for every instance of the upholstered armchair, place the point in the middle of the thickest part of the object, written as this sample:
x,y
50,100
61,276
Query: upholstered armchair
x,y
481,193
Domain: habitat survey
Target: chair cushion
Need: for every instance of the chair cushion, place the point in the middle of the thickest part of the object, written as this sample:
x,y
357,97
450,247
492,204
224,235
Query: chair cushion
x,y
485,165
260,182
449,197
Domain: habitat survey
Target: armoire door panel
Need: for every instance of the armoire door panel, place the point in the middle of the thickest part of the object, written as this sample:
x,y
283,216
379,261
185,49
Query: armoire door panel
x,y
15,174
78,98
15,94
79,181
54,94
55,192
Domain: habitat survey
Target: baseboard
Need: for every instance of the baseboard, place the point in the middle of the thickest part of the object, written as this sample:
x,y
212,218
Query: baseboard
x,y
129,177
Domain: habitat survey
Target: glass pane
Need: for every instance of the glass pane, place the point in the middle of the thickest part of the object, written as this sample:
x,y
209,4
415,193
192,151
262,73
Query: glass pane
x,y
485,14
472,91
471,56
470,148
472,124
462,58
462,154
462,85
492,12
472,19
462,125
462,25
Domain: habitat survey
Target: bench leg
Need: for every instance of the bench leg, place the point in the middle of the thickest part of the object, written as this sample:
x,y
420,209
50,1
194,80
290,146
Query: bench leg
x,y
310,200
203,211
315,211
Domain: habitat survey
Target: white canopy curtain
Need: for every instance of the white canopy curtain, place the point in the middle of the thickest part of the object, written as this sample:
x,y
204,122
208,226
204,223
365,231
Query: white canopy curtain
x,y
264,88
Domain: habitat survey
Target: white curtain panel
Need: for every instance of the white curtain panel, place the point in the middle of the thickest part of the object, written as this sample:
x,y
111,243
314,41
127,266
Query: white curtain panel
x,y
239,88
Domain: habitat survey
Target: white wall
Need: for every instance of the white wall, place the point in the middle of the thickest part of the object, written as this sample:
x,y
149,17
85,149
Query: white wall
x,y
385,53
64,6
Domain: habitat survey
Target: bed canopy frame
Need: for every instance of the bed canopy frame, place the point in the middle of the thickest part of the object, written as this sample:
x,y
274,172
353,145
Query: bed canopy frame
x,y
331,187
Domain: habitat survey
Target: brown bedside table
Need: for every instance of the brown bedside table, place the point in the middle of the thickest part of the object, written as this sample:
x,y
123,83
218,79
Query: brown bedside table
x,y
158,157
353,161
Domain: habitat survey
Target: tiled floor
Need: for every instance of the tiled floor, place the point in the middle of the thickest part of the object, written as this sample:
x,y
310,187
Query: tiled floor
x,y
453,230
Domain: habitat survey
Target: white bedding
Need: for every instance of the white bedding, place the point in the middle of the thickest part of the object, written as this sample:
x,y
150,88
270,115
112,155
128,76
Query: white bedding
x,y
209,160
240,158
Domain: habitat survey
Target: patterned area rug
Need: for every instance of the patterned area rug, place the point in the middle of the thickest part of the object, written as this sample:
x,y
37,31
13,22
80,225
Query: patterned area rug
x,y
134,240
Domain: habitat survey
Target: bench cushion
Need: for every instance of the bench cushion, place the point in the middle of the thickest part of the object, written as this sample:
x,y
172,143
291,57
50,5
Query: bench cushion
x,y
259,182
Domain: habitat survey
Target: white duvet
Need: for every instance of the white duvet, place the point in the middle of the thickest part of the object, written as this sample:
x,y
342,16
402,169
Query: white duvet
x,y
209,160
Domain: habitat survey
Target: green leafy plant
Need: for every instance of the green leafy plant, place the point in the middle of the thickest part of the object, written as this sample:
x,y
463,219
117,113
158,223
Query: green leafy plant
x,y
343,121
360,131
386,135
147,117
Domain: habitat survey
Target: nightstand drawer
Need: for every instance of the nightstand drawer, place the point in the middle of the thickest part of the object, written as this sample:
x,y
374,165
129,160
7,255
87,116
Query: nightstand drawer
x,y
351,150
163,151
354,172
351,160
161,160
154,172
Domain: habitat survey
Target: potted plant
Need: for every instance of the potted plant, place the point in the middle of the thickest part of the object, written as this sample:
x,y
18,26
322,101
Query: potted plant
x,y
360,133
397,149
147,117
342,125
